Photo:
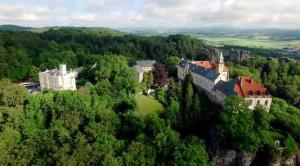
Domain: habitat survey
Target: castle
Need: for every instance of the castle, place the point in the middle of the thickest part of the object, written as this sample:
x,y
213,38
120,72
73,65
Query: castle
x,y
213,79
58,79
238,55
142,67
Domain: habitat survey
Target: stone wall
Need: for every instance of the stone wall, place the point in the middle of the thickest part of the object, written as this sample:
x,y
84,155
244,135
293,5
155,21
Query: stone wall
x,y
232,158
286,161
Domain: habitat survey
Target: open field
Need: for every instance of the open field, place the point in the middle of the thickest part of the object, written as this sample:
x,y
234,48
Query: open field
x,y
258,41
220,36
147,105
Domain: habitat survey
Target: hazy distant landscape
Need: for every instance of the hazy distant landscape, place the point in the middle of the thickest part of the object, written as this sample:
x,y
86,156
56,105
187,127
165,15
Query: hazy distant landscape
x,y
282,39
265,38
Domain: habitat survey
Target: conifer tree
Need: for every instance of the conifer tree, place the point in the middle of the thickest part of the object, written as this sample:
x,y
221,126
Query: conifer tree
x,y
187,92
187,99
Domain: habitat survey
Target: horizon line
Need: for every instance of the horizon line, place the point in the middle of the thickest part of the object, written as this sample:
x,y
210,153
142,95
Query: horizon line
x,y
155,27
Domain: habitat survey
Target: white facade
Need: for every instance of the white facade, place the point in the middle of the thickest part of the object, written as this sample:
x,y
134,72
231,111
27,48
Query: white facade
x,y
143,66
140,72
254,101
219,97
202,81
257,100
147,69
140,76
199,80
58,79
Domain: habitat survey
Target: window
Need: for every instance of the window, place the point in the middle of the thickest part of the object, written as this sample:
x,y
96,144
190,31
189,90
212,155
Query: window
x,y
250,102
258,93
266,102
258,102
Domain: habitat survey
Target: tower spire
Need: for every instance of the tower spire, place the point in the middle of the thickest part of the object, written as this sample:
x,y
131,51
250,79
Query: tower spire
x,y
221,59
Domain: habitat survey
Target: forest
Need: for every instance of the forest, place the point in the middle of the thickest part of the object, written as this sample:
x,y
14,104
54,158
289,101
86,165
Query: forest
x,y
96,125
22,53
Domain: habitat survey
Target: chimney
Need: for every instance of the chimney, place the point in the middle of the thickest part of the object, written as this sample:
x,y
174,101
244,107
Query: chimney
x,y
238,81
241,81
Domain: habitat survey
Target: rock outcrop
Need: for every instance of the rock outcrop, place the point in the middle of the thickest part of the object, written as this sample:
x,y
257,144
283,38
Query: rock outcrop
x,y
233,158
225,159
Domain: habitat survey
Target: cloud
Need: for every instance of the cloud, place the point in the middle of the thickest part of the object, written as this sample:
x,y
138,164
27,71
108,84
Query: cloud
x,y
85,17
155,13
29,17
16,13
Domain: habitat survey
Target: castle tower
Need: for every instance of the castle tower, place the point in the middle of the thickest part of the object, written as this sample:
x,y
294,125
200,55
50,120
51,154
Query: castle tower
x,y
63,69
220,66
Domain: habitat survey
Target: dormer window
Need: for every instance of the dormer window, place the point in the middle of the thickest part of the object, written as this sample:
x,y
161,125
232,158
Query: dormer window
x,y
258,93
266,93
250,92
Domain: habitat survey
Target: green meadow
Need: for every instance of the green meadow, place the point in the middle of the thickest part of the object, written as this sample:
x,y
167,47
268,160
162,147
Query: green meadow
x,y
147,105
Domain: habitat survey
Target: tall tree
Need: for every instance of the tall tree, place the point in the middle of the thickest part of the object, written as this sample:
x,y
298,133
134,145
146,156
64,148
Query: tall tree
x,y
186,100
161,76
237,126
12,94
171,65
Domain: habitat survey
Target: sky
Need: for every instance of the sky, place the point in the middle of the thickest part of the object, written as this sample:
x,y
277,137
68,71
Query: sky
x,y
152,13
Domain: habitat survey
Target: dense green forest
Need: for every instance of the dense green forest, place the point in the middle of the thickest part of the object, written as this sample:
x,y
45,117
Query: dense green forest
x,y
21,53
96,125
24,54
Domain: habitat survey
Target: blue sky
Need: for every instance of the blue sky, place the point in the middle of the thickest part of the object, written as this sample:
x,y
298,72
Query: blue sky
x,y
152,13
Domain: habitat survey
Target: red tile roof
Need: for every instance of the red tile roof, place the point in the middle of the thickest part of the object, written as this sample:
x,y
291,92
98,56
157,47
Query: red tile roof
x,y
205,64
246,87
209,65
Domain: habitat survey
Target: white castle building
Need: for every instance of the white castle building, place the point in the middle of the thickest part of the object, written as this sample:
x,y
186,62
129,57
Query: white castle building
x,y
142,67
58,79
213,79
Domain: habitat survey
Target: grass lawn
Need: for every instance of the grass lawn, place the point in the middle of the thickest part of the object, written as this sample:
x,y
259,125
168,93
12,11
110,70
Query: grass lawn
x,y
147,105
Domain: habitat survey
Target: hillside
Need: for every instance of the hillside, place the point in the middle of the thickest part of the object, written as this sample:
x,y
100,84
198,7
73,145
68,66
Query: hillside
x,y
96,30
19,51
14,28
286,40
